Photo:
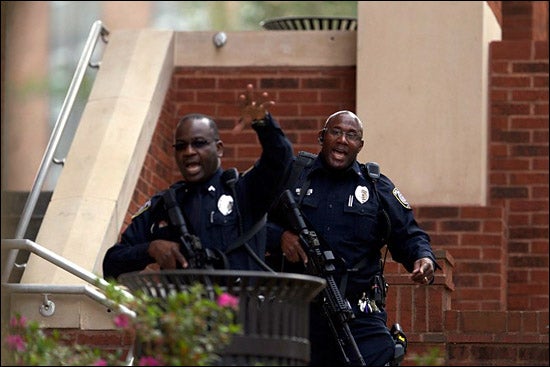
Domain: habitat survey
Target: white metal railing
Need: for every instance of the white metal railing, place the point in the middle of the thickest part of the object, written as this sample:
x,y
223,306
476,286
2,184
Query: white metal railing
x,y
97,31
75,269
97,285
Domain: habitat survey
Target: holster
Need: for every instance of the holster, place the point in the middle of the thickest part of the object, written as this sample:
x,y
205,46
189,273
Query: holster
x,y
376,290
379,290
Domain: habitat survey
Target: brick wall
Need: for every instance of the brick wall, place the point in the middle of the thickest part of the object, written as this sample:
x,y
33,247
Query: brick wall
x,y
519,165
525,20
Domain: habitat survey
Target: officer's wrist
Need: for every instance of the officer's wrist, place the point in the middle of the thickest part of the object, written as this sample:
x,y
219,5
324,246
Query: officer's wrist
x,y
260,122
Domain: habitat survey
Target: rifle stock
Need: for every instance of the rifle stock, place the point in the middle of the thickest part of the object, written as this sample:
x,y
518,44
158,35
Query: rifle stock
x,y
191,247
321,263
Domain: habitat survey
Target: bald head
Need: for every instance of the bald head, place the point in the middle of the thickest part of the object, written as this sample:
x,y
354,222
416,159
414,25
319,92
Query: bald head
x,y
345,112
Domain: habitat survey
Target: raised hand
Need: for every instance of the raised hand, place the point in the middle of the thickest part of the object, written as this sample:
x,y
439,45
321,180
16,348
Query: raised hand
x,y
252,108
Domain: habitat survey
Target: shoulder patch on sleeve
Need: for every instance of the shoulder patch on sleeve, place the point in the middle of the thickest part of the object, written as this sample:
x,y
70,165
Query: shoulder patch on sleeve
x,y
143,208
399,196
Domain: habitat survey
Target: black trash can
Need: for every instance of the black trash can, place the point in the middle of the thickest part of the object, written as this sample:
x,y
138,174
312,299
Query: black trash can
x,y
273,310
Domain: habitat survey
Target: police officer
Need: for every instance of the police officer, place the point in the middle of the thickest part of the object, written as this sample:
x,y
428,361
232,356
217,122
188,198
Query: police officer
x,y
219,207
354,216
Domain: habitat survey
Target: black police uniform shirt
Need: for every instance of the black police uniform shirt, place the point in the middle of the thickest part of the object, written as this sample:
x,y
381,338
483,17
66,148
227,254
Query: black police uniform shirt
x,y
210,209
343,210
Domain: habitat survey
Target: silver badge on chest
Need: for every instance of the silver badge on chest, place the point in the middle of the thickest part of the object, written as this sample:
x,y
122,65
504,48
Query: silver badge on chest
x,y
362,194
225,204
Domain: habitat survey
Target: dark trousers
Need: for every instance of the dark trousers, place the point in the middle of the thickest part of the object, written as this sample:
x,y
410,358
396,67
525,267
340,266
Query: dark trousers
x,y
370,333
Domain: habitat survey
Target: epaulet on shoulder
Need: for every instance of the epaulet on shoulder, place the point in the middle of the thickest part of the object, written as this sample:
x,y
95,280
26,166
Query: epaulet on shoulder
x,y
155,200
306,156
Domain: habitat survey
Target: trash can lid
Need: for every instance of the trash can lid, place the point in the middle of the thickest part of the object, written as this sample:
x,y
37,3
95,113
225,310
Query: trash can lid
x,y
161,283
311,23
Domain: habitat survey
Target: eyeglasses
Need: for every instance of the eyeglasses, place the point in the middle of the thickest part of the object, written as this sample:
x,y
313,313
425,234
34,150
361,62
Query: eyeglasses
x,y
351,136
197,143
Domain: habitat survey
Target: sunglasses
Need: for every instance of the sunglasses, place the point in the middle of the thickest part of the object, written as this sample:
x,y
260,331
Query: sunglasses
x,y
197,143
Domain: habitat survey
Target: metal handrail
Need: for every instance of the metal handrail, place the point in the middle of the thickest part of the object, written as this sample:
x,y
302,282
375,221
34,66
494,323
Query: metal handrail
x,y
15,245
97,30
52,257
86,290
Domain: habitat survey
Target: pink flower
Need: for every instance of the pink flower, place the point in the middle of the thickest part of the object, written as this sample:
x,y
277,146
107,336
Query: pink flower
x,y
100,362
122,321
14,322
16,342
18,321
149,361
227,300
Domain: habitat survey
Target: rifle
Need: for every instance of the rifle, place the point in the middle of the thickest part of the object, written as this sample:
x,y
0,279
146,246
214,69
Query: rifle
x,y
335,307
191,247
